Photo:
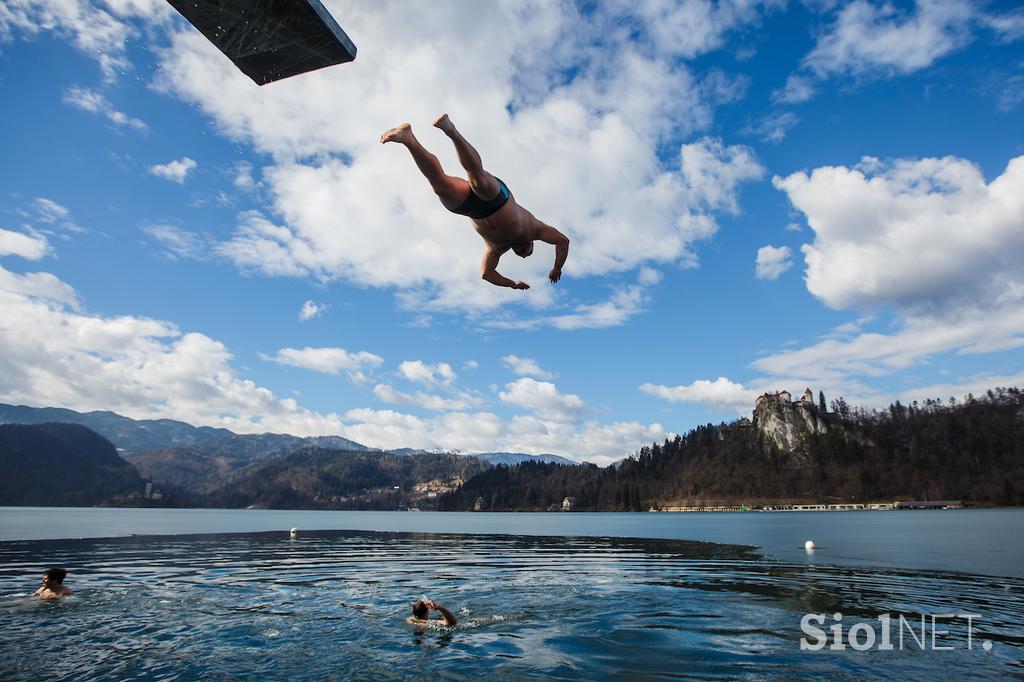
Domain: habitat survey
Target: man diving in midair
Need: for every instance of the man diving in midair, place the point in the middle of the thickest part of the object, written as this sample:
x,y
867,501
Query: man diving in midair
x,y
487,201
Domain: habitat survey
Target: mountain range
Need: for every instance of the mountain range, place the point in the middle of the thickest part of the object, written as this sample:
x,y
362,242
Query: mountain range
x,y
209,466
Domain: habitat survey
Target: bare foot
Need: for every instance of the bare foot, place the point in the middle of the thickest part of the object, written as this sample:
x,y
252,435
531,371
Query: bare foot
x,y
400,133
443,123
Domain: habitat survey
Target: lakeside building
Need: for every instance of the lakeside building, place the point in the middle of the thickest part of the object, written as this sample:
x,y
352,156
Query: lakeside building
x,y
839,506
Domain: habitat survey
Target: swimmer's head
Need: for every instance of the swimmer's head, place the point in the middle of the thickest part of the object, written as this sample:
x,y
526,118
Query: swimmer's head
x,y
523,250
419,609
55,575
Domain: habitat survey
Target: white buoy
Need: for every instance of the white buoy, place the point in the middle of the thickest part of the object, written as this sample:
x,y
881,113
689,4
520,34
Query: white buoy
x,y
809,545
294,532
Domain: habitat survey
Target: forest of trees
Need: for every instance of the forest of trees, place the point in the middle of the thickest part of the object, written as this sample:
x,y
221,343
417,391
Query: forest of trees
x,y
971,450
61,465
319,478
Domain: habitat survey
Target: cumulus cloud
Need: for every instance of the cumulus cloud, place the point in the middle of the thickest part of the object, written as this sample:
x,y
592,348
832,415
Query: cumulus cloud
x,y
463,400
311,309
175,171
542,398
877,40
525,367
342,206
721,394
868,37
51,353
326,360
28,246
486,432
918,234
94,102
421,372
772,261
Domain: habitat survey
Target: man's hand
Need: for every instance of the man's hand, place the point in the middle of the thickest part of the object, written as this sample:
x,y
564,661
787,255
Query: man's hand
x,y
519,284
555,275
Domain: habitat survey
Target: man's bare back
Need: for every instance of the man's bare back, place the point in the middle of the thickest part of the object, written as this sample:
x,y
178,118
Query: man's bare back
x,y
501,222
53,584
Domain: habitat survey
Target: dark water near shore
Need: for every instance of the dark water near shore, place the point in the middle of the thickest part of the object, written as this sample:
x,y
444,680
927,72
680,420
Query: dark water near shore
x,y
332,605
984,541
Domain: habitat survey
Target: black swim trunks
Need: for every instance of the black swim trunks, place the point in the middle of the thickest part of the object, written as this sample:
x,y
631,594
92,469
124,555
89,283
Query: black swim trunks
x,y
475,207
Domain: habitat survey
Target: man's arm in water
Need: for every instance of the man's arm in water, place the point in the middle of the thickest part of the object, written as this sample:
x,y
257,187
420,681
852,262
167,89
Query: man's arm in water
x,y
550,235
489,273
449,619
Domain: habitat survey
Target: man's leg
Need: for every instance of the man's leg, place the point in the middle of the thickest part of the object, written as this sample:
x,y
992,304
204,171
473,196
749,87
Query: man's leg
x,y
483,183
452,191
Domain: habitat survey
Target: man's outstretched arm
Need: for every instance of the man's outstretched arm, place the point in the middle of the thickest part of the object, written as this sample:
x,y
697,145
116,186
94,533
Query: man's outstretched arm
x,y
489,272
550,235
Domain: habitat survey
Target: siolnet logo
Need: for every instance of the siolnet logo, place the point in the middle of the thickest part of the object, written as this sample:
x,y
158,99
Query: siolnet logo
x,y
886,633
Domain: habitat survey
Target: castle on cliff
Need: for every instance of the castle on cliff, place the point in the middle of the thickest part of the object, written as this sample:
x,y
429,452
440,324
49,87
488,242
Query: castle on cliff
x,y
784,397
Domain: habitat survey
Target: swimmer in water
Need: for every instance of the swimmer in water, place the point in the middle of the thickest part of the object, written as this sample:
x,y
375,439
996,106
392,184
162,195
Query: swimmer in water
x,y
53,584
486,201
421,609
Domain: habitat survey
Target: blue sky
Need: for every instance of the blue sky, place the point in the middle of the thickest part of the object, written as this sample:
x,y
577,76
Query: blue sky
x,y
760,196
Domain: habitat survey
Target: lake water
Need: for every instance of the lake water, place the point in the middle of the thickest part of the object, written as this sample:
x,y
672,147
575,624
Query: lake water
x,y
563,596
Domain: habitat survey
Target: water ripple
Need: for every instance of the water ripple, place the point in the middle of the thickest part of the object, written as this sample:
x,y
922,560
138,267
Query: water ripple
x,y
332,605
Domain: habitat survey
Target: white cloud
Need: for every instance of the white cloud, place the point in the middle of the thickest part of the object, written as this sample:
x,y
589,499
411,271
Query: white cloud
x,y
611,190
721,394
873,354
177,242
712,172
175,171
52,215
929,234
721,88
326,360
486,432
51,354
29,247
878,38
772,127
525,367
616,310
94,102
421,372
976,385
463,400
772,261
542,398
1009,26
50,212
797,89
311,309
243,176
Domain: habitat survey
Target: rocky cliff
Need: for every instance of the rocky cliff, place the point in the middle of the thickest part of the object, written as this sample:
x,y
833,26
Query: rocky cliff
x,y
787,424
